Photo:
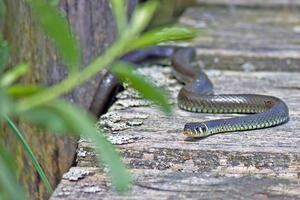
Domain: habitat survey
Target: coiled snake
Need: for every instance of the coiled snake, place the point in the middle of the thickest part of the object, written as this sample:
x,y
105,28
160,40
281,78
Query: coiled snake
x,y
197,96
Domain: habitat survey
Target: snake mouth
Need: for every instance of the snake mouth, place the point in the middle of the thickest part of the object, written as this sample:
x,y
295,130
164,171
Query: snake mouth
x,y
188,133
193,134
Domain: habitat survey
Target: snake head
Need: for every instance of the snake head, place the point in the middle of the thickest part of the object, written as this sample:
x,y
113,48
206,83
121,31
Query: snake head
x,y
195,129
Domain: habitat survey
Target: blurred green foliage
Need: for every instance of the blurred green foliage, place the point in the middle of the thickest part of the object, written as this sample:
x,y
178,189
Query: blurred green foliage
x,y
126,74
9,187
4,53
2,10
57,28
43,106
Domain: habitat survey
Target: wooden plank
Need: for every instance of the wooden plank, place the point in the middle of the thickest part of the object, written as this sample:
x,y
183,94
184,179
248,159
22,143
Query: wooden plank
x,y
258,164
160,155
245,38
181,185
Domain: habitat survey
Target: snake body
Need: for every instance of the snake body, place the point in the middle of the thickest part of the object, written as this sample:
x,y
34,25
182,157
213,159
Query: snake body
x,y
197,96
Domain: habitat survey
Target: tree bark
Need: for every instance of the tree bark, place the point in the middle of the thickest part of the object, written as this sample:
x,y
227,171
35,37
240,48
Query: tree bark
x,y
93,24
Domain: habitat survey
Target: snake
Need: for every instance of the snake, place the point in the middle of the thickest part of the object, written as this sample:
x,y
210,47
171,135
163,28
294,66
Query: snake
x,y
197,96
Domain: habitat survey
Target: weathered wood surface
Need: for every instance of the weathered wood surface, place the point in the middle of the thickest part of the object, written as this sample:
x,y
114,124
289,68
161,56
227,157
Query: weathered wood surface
x,y
259,164
168,165
181,185
246,38
29,44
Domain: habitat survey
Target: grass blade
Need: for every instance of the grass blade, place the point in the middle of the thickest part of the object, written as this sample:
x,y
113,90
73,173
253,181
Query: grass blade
x,y
30,153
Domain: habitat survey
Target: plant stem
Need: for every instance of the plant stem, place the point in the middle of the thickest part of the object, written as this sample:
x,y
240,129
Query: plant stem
x,y
30,153
139,21
74,79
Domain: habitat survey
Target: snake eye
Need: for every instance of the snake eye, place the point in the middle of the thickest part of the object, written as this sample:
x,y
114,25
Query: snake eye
x,y
197,129
203,128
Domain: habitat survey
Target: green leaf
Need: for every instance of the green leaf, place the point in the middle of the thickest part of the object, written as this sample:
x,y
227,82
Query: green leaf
x,y
4,54
6,105
7,158
2,8
9,186
126,73
57,28
117,49
119,10
165,34
54,2
47,117
105,152
9,77
75,120
30,154
19,90
142,16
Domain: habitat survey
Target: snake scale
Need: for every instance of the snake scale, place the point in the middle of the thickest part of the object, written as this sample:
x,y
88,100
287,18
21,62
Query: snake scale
x,y
197,96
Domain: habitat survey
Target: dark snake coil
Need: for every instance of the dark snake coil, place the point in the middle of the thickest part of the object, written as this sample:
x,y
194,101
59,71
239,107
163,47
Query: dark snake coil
x,y
197,96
